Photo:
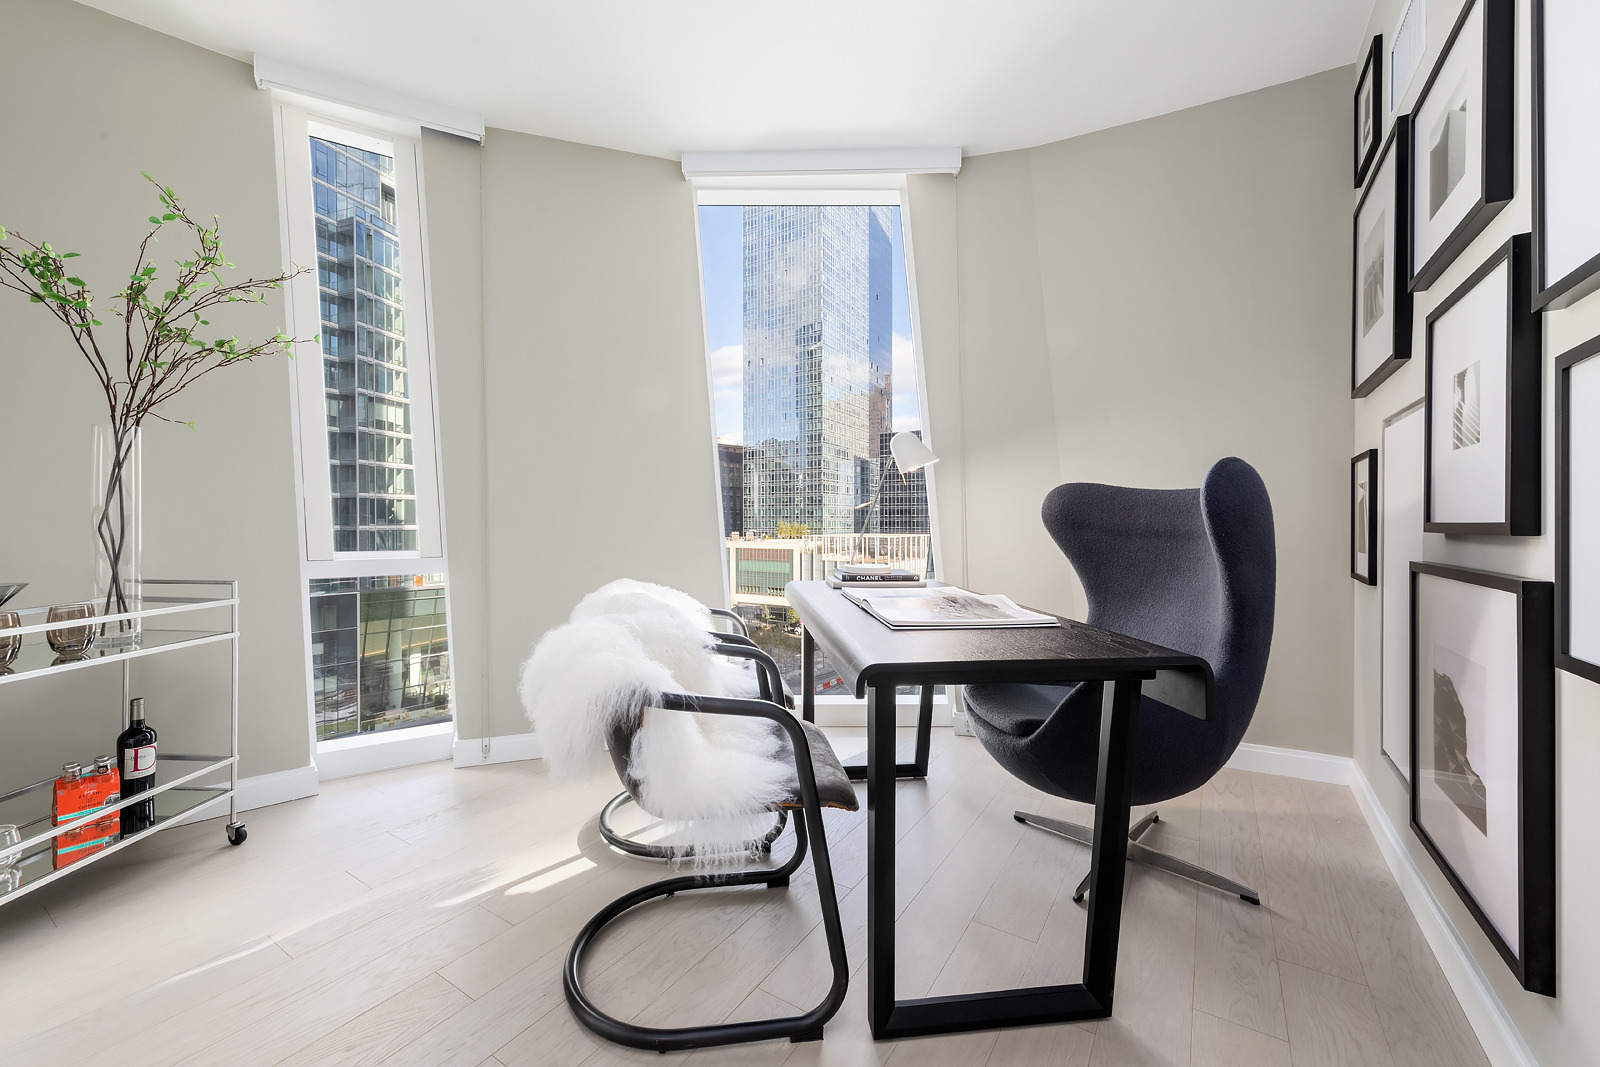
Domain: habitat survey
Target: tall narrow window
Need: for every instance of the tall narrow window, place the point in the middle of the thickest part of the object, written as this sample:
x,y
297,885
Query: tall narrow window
x,y
372,471
814,371
375,568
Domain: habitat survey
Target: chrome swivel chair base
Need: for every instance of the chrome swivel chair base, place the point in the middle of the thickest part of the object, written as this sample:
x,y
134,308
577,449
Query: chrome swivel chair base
x,y
1138,853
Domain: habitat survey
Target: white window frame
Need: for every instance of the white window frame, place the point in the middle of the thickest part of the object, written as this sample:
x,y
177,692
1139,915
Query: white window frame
x,y
830,190
297,119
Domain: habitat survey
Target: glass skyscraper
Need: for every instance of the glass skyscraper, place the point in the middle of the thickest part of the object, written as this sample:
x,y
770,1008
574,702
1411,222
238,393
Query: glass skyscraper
x,y
370,461
818,324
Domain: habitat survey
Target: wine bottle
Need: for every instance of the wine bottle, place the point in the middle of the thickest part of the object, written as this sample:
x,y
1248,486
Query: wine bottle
x,y
136,758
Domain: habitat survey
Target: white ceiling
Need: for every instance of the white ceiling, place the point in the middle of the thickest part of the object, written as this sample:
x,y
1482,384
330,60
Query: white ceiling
x,y
662,76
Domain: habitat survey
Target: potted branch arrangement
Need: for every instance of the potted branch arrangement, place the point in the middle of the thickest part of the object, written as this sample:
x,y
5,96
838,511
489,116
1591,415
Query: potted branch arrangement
x,y
162,353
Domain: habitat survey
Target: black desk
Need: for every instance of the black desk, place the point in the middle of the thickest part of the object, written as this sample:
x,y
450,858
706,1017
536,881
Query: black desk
x,y
873,660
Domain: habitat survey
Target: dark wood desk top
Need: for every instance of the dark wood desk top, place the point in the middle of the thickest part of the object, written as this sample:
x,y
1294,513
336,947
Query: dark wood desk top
x,y
866,652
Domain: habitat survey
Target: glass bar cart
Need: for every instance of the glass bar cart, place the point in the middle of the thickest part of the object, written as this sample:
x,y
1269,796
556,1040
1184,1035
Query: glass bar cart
x,y
180,791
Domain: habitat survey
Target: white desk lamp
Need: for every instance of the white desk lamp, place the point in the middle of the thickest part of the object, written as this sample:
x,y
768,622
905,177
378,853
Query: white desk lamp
x,y
910,456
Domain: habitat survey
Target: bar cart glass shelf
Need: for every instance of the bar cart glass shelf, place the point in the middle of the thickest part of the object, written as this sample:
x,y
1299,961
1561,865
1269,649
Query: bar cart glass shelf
x,y
181,788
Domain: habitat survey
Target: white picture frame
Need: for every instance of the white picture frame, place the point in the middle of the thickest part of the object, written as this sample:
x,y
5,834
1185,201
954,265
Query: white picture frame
x,y
1401,542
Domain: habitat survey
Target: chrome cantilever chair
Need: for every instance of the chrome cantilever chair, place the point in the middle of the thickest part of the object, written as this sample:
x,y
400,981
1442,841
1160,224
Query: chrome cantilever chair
x,y
771,688
819,780
1192,569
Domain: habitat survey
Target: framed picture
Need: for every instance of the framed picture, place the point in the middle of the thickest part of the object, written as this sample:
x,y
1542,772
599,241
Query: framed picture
x,y
1481,469
1578,511
1369,109
1483,759
1364,517
1566,150
1463,139
1380,302
1400,542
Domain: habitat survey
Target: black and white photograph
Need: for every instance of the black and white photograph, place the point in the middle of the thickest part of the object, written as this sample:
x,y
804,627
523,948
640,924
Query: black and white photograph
x,y
1483,752
1463,150
1577,405
1381,304
1364,517
1566,150
1369,109
1483,402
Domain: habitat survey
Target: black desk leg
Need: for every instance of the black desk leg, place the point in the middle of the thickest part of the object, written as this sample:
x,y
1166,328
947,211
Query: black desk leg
x,y
808,676
880,857
808,711
1108,855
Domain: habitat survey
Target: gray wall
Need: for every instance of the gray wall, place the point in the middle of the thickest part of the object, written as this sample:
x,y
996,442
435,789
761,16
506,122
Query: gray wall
x,y
597,407
88,99
1132,305
1564,1030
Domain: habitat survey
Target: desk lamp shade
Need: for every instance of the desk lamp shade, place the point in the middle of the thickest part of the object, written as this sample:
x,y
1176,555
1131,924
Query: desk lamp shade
x,y
910,454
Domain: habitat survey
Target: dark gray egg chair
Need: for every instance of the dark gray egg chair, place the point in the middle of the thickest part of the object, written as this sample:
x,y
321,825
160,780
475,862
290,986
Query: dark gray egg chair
x,y
1192,569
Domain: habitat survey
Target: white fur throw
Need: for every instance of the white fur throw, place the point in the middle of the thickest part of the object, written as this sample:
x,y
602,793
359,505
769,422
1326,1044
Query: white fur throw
x,y
712,778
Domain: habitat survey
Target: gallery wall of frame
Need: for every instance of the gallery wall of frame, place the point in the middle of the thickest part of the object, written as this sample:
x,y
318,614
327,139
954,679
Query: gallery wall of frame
x,y
1462,244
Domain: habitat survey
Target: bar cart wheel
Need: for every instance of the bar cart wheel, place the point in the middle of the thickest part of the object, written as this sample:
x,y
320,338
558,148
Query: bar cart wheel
x,y
237,833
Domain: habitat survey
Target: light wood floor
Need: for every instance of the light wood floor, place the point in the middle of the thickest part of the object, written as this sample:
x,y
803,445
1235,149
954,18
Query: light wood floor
x,y
421,916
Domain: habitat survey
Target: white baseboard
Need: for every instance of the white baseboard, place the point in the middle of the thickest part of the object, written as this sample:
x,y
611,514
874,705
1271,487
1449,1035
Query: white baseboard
x,y
1293,763
264,790
380,752
1487,1014
502,748
1502,1041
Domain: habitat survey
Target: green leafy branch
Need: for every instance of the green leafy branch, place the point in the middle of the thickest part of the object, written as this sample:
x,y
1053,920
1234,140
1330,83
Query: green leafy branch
x,y
164,349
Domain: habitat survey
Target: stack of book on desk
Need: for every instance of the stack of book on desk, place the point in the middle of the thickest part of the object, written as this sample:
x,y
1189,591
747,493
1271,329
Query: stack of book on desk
x,y
942,608
879,575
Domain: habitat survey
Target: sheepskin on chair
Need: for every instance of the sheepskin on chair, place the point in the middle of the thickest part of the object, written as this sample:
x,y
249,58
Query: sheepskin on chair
x,y
711,778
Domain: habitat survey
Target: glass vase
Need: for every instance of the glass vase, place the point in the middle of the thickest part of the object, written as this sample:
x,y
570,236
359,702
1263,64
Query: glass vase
x,y
117,515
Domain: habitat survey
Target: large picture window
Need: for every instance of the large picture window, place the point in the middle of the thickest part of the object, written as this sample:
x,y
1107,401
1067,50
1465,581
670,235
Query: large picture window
x,y
814,369
374,547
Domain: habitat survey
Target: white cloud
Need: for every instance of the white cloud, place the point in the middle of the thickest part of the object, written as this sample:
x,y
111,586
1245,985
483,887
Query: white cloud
x,y
727,392
907,413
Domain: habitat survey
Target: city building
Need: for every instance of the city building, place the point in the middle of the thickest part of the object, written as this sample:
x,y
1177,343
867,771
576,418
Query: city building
x,y
818,369
903,500
730,468
370,462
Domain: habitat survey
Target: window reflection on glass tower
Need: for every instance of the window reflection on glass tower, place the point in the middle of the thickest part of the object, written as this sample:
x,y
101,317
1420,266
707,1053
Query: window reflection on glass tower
x,y
818,328
364,354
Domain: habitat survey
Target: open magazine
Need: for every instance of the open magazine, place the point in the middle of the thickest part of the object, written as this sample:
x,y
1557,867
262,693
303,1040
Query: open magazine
x,y
944,607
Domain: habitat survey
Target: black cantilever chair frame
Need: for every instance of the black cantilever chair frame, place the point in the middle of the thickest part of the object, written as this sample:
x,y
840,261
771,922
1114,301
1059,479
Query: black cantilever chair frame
x,y
737,646
808,828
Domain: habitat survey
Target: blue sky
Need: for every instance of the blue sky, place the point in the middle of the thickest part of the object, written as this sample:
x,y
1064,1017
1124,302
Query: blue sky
x,y
721,261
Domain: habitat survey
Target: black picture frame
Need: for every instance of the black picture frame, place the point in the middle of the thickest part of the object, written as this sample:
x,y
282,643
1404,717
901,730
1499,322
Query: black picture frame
x,y
1498,165
1402,301
1521,487
1551,293
1371,77
1564,541
1535,963
1364,519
